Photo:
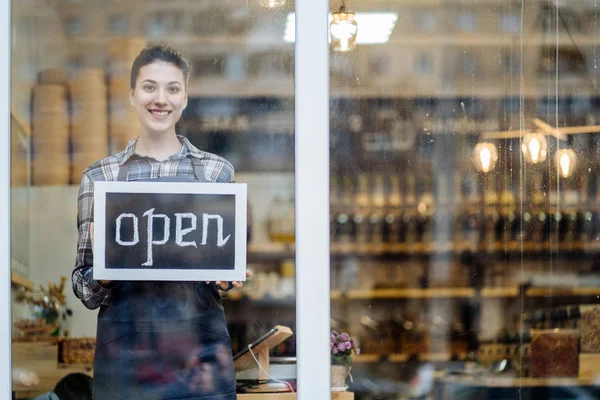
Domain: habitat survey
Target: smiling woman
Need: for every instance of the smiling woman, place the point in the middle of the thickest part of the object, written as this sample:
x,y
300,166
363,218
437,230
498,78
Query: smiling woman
x,y
166,314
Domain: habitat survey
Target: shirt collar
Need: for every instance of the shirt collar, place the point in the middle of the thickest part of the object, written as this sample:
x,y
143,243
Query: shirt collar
x,y
187,150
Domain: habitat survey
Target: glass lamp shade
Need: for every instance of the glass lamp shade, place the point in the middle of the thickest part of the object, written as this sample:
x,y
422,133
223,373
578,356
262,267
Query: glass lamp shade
x,y
534,148
565,162
343,29
485,156
272,3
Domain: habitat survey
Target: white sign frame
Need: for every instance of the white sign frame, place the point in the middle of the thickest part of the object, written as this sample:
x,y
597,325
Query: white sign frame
x,y
239,190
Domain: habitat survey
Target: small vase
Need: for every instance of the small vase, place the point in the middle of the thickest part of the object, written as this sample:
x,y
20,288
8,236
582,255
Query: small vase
x,y
339,373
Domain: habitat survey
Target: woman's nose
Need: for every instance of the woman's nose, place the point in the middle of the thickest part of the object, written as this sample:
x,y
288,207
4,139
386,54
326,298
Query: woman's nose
x,y
161,97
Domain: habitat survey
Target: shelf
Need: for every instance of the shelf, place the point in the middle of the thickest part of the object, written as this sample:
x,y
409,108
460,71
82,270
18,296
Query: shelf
x,y
432,293
403,357
563,292
493,292
278,251
358,294
18,280
508,382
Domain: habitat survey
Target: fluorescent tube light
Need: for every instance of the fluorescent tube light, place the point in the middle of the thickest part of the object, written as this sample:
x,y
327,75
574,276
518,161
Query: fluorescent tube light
x,y
373,27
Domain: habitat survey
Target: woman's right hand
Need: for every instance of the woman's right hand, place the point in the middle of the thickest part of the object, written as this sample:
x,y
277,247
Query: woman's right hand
x,y
102,282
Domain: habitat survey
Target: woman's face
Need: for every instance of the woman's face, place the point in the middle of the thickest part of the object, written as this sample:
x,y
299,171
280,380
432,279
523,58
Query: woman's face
x,y
159,96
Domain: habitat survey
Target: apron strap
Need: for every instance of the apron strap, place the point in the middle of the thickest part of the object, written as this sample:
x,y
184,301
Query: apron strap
x,y
196,163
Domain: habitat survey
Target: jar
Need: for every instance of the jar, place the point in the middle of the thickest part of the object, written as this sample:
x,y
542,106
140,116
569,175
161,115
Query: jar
x,y
554,353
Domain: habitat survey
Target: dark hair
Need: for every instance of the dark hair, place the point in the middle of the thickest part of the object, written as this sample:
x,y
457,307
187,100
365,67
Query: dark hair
x,y
155,53
75,386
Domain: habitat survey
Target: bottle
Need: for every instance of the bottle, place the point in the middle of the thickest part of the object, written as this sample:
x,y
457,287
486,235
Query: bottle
x,y
458,210
442,220
362,197
585,215
392,226
426,210
490,210
508,225
540,223
472,216
409,212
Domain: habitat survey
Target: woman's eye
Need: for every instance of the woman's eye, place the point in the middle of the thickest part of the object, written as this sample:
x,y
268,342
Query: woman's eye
x,y
173,89
148,87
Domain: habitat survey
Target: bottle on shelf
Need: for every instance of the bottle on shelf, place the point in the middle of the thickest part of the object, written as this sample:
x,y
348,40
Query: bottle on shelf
x,y
472,218
442,219
540,223
376,217
458,209
584,213
409,211
491,216
392,226
425,212
508,225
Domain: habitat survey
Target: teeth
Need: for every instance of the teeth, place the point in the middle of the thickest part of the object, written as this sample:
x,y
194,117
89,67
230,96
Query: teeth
x,y
160,113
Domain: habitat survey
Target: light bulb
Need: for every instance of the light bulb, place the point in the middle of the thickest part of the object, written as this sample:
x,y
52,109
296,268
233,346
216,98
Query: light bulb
x,y
343,29
485,156
565,162
272,3
534,148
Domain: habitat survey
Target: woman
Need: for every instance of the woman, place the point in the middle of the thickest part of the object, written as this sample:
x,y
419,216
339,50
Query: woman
x,y
156,340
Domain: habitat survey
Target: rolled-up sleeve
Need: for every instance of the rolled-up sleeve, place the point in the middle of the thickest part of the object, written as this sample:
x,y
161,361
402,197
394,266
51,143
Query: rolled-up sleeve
x,y
89,291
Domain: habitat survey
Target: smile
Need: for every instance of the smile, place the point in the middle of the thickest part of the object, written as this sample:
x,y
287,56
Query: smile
x,y
160,113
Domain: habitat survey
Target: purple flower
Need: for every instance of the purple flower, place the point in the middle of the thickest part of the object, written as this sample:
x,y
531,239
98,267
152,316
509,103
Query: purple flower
x,y
354,343
357,351
330,346
344,336
348,345
341,346
335,350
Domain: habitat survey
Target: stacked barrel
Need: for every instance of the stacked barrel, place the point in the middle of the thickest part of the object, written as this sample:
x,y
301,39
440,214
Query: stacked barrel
x,y
123,124
50,131
89,121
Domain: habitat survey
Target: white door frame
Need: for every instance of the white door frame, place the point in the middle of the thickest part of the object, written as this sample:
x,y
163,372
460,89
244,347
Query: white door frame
x,y
5,304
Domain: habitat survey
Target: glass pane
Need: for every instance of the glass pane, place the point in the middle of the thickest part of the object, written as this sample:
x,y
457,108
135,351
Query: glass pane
x,y
464,199
72,106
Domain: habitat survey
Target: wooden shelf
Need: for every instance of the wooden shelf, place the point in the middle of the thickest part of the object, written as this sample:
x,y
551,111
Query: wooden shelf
x,y
358,294
432,293
492,292
509,382
563,292
403,357
18,280
282,250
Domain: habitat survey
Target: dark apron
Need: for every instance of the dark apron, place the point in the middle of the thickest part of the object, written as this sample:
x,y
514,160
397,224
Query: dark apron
x,y
163,340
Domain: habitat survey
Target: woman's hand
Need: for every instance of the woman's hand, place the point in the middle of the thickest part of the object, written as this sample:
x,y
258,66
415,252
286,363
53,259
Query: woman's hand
x,y
102,282
236,284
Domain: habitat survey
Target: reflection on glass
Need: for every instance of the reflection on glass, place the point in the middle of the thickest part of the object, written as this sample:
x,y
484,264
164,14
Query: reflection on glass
x,y
71,107
343,29
484,127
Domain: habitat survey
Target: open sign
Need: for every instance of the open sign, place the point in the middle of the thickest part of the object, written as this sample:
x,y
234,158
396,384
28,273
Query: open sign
x,y
175,231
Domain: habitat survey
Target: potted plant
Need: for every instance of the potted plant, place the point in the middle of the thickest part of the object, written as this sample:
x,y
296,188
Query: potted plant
x,y
342,346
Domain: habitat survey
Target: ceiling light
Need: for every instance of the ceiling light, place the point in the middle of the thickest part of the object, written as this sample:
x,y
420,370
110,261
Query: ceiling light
x,y
565,162
535,148
272,3
342,30
375,28
485,156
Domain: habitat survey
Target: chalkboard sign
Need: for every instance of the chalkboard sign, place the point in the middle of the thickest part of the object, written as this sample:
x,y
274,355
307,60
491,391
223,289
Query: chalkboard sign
x,y
170,231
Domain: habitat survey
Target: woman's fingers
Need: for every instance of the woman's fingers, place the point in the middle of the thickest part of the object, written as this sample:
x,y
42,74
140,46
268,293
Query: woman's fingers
x,y
92,233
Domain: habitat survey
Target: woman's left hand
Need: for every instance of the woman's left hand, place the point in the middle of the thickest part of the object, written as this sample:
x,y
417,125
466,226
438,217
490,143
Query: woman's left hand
x,y
236,284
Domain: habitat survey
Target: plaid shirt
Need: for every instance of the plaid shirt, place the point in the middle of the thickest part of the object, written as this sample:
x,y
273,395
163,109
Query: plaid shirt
x,y
216,169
